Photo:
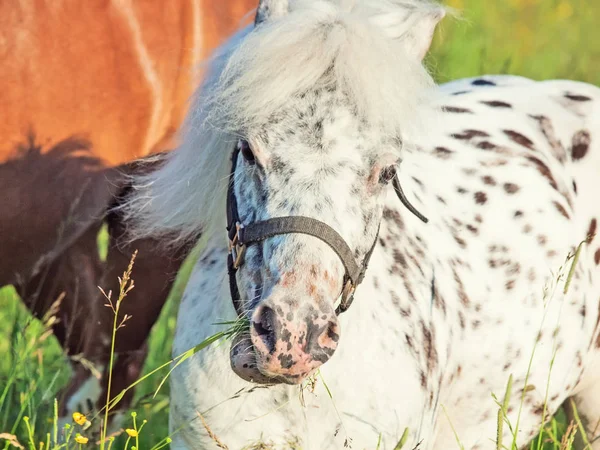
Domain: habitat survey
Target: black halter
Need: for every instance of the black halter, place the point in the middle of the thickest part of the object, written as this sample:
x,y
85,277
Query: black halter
x,y
241,236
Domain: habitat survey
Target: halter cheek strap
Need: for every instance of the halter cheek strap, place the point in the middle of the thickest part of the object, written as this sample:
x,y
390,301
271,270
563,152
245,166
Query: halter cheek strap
x,y
241,236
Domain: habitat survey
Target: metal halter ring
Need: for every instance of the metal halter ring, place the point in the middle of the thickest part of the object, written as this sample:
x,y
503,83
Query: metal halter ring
x,y
347,297
237,249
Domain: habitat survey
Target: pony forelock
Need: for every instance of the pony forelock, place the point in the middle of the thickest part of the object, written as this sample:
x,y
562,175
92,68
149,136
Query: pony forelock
x,y
318,43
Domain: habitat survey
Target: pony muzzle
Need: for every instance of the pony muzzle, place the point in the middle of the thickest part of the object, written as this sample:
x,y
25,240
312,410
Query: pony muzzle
x,y
284,344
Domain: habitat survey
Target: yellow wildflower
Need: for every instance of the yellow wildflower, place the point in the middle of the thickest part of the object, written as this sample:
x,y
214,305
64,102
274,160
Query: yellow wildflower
x,y
79,418
131,432
81,439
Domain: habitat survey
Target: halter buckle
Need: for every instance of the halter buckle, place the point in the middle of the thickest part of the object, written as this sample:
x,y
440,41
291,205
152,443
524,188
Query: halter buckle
x,y
347,296
237,249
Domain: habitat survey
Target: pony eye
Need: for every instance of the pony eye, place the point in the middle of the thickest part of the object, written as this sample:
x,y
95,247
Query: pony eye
x,y
246,151
387,174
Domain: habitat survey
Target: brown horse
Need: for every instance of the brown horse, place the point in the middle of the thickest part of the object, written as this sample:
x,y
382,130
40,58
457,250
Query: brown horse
x,y
89,86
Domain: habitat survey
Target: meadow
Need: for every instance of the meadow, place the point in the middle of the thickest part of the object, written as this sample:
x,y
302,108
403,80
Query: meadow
x,y
540,39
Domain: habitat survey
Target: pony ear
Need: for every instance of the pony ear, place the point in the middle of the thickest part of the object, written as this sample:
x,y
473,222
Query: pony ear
x,y
270,9
415,27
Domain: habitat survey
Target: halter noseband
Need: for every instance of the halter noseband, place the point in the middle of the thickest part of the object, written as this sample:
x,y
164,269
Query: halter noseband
x,y
241,236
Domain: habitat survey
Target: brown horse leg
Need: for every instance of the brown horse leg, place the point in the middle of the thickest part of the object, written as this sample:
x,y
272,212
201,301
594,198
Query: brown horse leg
x,y
154,272
73,276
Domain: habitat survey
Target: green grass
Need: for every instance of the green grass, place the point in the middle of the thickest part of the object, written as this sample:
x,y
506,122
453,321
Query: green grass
x,y
540,39
26,359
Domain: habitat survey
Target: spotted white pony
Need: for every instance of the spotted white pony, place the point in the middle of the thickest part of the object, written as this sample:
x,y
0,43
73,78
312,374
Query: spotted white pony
x,y
330,116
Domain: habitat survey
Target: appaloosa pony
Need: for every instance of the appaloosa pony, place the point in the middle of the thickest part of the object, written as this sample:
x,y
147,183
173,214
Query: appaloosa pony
x,y
309,131
86,87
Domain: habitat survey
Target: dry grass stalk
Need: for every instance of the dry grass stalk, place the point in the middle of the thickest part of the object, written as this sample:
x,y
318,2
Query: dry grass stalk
x,y
11,439
211,434
567,440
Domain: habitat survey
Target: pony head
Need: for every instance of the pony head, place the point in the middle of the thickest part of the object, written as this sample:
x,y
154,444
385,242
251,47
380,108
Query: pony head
x,y
320,99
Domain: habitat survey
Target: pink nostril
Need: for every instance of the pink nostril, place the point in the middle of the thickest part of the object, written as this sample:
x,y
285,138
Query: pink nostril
x,y
321,341
292,343
264,324
333,332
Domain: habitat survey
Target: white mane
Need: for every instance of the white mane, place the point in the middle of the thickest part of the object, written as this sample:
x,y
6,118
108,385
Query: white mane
x,y
360,46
